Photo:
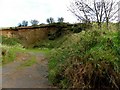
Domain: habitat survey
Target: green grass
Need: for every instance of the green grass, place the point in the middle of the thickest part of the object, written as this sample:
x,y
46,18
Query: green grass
x,y
50,44
27,63
40,50
9,41
95,52
10,52
97,48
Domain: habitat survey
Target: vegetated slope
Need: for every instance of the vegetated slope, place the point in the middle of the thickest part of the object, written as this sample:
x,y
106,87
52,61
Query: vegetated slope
x,y
89,59
9,41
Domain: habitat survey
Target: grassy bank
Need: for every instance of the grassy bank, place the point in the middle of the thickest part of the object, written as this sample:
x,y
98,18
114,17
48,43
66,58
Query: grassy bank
x,y
9,52
89,59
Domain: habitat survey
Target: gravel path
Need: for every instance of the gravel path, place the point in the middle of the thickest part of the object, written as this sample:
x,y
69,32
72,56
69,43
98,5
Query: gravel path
x,y
34,76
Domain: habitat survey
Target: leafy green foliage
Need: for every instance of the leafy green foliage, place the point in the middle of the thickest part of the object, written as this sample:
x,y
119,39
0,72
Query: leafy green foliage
x,y
76,28
58,32
9,53
88,59
50,44
9,41
28,62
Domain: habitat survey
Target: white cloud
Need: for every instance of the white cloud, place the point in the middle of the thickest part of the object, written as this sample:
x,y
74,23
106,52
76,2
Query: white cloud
x,y
14,11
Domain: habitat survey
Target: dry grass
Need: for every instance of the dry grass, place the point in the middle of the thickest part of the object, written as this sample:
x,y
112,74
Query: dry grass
x,y
91,74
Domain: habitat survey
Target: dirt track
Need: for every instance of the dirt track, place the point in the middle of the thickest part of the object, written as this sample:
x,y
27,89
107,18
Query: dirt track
x,y
34,76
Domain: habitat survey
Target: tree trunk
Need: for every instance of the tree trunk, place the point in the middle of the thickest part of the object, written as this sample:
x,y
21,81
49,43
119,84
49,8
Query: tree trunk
x,y
99,25
107,23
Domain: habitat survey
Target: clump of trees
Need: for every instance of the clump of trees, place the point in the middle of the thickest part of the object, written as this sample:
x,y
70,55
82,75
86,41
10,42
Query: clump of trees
x,y
24,23
59,25
61,19
34,22
96,10
50,20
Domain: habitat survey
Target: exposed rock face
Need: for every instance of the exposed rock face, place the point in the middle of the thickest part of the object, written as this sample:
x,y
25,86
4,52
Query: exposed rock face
x,y
28,35
34,31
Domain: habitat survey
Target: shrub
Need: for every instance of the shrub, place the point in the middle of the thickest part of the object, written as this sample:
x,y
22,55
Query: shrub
x,y
60,20
60,30
50,20
8,54
88,59
51,43
34,22
76,28
9,41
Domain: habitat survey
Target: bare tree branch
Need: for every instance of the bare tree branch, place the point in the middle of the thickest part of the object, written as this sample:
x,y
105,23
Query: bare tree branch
x,y
100,11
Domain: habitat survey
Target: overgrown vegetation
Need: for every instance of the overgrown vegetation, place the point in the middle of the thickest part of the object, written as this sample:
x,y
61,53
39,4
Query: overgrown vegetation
x,y
51,44
9,53
9,41
28,62
9,48
63,31
82,56
89,59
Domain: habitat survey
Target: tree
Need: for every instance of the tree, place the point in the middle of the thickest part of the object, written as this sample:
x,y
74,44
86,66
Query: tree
x,y
50,20
19,24
34,22
119,12
24,23
97,10
110,10
61,19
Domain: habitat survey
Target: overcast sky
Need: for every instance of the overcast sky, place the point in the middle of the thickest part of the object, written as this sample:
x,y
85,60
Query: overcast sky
x,y
13,12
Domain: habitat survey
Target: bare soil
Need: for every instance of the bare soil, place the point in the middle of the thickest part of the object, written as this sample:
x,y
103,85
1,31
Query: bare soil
x,y
34,76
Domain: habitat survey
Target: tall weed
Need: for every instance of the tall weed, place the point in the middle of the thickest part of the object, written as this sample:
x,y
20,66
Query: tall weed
x,y
88,59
